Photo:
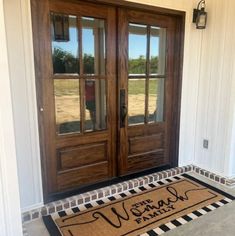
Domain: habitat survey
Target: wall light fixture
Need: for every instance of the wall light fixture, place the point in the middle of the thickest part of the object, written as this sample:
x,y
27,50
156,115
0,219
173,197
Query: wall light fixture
x,y
200,15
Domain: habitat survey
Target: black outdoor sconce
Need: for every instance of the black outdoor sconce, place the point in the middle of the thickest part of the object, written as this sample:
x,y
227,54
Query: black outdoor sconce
x,y
200,15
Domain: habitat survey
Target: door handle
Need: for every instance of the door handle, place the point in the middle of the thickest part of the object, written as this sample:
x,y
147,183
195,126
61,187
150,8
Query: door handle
x,y
123,108
123,115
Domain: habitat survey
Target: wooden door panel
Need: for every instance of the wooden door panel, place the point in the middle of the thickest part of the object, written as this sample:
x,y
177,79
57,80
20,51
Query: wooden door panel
x,y
76,150
147,144
144,144
82,176
146,161
79,156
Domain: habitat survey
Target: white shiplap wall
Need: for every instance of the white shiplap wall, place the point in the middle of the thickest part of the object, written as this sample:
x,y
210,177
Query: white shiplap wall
x,y
10,217
215,106
207,110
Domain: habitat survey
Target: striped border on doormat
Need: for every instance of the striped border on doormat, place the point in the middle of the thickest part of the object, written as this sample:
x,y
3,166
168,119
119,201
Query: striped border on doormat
x,y
52,228
193,215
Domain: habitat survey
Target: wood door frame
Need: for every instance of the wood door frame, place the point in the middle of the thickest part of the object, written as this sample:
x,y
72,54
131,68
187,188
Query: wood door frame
x,y
39,14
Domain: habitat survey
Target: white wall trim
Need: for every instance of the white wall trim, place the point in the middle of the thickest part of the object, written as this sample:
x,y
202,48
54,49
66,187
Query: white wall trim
x,y
21,65
31,89
10,217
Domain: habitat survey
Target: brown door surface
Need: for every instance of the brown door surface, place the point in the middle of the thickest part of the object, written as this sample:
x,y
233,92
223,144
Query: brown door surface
x,y
148,78
77,76
107,89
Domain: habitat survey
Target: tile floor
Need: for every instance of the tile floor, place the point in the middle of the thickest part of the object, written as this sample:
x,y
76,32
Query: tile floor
x,y
219,222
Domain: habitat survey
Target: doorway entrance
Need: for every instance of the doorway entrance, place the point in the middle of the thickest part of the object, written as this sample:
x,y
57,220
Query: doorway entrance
x,y
108,86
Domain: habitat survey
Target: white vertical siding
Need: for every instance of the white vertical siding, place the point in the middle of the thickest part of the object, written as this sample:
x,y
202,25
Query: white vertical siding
x,y
208,90
214,110
10,218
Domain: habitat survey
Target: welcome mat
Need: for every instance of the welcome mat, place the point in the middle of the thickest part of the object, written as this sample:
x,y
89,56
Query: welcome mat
x,y
148,210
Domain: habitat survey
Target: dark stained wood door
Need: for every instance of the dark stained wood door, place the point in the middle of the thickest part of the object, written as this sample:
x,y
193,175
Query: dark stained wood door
x,y
108,91
76,76
149,78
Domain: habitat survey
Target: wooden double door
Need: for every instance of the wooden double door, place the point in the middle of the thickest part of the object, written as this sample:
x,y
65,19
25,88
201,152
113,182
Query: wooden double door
x,y
108,86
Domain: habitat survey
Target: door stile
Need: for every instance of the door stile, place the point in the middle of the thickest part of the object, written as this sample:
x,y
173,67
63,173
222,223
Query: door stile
x,y
122,84
41,39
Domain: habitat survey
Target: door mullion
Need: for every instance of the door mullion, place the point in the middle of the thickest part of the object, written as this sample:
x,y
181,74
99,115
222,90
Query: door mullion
x,y
147,76
82,82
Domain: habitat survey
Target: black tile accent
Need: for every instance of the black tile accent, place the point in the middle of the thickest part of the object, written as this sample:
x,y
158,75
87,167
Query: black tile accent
x,y
197,213
111,198
100,202
215,205
223,201
123,195
142,188
88,205
187,218
206,209
132,191
176,223
62,213
160,182
152,233
169,180
176,177
75,209
152,185
164,228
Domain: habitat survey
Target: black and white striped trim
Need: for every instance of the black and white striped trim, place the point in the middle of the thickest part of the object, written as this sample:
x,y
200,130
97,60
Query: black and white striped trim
x,y
186,218
122,195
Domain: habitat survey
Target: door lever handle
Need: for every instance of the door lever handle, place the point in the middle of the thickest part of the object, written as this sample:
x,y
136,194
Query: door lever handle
x,y
123,108
123,115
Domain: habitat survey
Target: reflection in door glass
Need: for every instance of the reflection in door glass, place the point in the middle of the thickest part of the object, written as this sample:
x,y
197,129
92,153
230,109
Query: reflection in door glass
x,y
137,49
64,44
136,101
95,105
93,41
156,100
67,105
157,50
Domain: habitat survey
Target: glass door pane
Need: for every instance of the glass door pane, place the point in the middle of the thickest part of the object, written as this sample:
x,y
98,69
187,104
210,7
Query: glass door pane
x,y
136,101
93,41
64,44
157,50
67,106
80,95
95,105
137,49
156,100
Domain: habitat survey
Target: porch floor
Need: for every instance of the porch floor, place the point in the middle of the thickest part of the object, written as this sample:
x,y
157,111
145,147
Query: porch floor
x,y
218,222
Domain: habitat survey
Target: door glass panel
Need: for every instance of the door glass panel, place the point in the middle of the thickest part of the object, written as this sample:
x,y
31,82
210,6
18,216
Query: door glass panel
x,y
136,101
67,105
137,49
156,100
95,104
64,44
93,41
157,50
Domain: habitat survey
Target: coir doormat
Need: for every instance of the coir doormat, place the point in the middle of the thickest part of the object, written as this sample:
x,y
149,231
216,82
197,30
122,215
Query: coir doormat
x,y
149,210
